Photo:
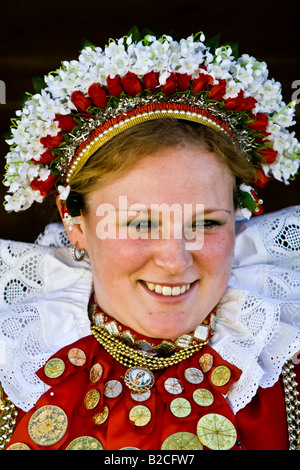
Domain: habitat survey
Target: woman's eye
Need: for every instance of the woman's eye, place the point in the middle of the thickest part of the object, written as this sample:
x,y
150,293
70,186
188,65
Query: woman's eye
x,y
205,224
142,225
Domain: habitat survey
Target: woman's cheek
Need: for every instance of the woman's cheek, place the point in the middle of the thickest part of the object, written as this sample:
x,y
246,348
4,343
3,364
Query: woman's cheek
x,y
217,251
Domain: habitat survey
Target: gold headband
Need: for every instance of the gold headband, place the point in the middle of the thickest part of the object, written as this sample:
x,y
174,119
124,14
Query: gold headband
x,y
101,135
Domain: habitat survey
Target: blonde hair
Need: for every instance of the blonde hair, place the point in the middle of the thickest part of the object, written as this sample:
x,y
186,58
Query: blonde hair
x,y
120,154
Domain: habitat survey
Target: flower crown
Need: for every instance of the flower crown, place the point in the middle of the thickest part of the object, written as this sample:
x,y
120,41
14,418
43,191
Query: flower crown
x,y
85,103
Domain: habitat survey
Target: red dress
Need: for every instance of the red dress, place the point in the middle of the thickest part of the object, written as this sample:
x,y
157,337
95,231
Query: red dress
x,y
90,406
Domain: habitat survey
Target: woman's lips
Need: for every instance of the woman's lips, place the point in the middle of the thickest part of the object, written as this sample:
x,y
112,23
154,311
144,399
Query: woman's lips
x,y
168,290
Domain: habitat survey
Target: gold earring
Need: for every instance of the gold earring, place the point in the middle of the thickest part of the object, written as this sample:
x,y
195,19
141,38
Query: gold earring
x,y
74,253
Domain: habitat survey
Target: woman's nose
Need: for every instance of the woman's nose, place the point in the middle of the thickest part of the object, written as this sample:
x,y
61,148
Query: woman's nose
x,y
172,255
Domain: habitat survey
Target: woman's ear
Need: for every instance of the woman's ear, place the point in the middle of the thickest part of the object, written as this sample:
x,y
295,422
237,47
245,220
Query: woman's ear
x,y
73,225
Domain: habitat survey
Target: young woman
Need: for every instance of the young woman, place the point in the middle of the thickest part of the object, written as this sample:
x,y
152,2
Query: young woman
x,y
165,329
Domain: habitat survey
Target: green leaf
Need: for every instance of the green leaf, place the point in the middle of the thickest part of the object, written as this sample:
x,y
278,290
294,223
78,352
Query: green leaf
x,y
38,84
86,43
24,97
246,200
235,48
213,43
134,33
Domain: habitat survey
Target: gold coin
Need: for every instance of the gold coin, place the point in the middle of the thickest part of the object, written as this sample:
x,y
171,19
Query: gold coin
x,y
54,368
216,432
47,425
206,362
100,418
180,407
76,357
113,388
220,376
140,415
85,443
182,441
18,446
96,373
203,397
91,399
173,385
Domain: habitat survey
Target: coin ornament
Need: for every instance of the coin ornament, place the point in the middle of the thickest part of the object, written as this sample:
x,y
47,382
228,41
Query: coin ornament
x,y
182,441
18,446
96,373
203,397
220,376
47,425
77,357
139,379
180,407
173,385
141,396
112,388
140,415
92,399
85,443
216,432
194,375
54,368
130,448
206,362
100,418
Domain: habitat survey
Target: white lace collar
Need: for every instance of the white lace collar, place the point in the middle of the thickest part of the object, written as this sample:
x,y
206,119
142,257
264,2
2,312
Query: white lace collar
x,y
258,325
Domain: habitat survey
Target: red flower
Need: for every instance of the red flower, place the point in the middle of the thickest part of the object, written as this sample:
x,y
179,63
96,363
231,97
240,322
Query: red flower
x,y
201,83
261,179
151,81
171,84
98,95
44,186
46,157
269,155
217,92
114,86
183,81
260,122
66,122
81,101
52,142
240,103
259,208
131,84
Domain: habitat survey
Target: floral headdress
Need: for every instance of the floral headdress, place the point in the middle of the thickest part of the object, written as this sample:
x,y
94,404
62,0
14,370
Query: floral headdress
x,y
86,102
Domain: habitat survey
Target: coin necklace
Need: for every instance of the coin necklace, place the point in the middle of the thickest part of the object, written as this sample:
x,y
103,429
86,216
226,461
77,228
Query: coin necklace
x,y
139,376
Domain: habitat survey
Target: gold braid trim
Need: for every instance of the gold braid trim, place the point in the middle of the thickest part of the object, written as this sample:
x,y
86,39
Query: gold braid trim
x,y
292,405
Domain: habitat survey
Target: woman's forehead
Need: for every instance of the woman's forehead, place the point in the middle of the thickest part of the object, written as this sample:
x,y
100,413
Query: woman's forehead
x,y
176,174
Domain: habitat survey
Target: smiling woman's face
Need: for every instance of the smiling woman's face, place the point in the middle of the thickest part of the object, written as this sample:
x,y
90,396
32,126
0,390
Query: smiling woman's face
x,y
161,287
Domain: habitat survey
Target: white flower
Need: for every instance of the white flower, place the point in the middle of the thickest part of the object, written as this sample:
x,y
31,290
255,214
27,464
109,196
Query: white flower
x,y
64,192
243,212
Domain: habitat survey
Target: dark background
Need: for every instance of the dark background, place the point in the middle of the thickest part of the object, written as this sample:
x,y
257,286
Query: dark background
x,y
36,36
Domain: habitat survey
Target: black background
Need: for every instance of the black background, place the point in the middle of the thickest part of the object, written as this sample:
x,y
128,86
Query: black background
x,y
36,36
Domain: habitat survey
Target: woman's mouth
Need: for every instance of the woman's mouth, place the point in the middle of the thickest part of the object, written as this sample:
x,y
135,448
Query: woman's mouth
x,y
164,290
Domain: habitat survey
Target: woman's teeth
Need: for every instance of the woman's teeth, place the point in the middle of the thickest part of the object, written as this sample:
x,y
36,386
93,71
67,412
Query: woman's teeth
x,y
167,290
